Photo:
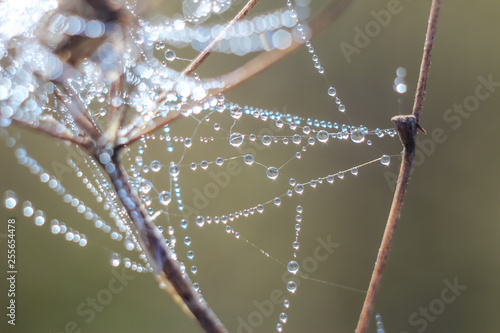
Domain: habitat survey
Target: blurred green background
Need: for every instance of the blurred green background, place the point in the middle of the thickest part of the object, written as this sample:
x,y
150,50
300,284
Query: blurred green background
x,y
448,232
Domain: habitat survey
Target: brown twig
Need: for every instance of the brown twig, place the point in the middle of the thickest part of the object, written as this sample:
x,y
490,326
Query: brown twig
x,y
267,59
208,49
407,126
161,258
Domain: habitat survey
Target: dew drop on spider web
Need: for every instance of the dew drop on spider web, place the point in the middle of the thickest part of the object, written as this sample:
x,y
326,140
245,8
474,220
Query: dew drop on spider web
x,y
173,170
291,286
236,112
187,241
286,303
184,223
322,136
385,160
272,173
332,92
354,171
200,221
296,138
145,186
293,267
155,166
283,317
170,55
248,159
299,188
115,259
165,197
236,139
266,140
277,201
129,244
296,245
357,136
10,199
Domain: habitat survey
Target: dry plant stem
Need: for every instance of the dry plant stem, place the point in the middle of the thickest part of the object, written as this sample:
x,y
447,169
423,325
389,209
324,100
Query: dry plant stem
x,y
254,66
153,244
267,59
426,59
188,70
208,49
407,129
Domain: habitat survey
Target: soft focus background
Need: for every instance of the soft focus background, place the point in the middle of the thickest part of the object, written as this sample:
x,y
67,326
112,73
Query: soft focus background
x,y
448,232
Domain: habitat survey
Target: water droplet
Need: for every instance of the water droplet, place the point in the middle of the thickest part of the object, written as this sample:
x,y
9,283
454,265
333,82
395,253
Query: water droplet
x,y
330,179
190,254
279,327
291,286
248,159
322,136
155,166
173,170
28,209
385,160
283,317
357,136
115,259
187,240
170,55
200,221
296,245
299,188
354,171
266,140
293,267
219,161
296,139
277,201
194,269
39,218
10,199
260,208
332,91
236,139
236,112
204,165
165,197
340,175
286,303
184,223
272,173
188,142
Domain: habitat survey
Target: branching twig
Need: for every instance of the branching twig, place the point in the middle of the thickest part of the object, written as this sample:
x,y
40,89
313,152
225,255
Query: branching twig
x,y
208,49
407,128
267,59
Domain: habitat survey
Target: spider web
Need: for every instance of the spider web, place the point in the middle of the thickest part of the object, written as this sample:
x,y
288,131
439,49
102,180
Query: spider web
x,y
226,186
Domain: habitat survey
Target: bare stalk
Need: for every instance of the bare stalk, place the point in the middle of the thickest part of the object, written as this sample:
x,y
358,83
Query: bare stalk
x,y
407,126
267,59
208,49
159,255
